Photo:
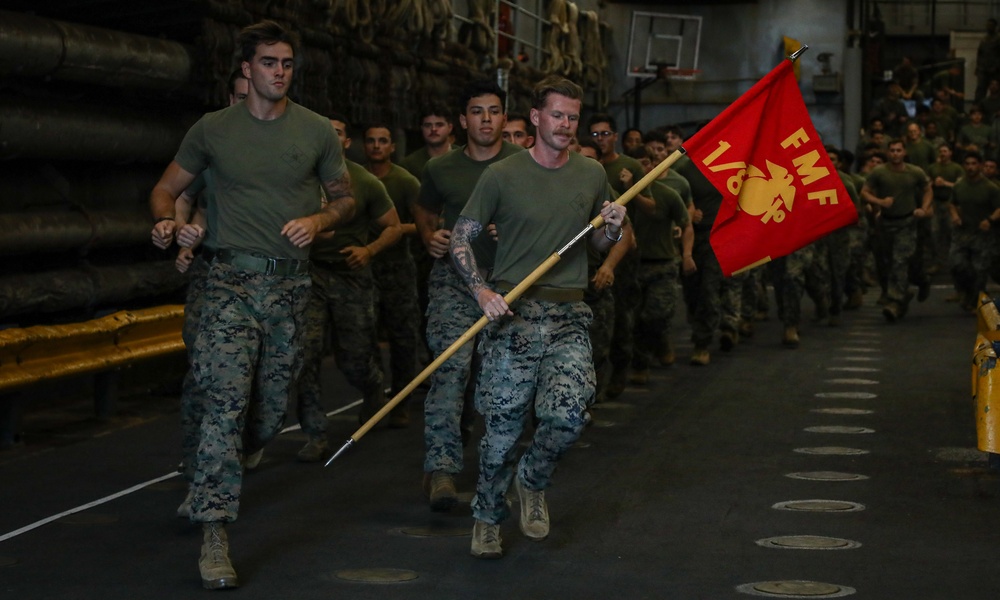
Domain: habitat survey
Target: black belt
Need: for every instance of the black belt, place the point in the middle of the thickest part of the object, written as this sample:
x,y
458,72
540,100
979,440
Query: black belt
x,y
262,264
545,294
898,218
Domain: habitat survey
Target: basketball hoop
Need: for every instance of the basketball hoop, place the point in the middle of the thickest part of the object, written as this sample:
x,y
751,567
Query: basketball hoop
x,y
663,46
679,74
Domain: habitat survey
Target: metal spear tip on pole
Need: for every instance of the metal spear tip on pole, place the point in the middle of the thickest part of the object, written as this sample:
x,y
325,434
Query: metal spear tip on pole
x,y
798,53
344,448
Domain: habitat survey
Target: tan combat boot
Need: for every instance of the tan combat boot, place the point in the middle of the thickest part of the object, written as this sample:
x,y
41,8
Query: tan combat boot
x,y
440,487
486,542
315,450
534,519
791,337
217,572
700,357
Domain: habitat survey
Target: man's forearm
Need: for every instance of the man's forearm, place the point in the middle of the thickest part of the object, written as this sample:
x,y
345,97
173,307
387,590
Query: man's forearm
x,y
162,204
687,241
462,257
336,212
389,236
426,223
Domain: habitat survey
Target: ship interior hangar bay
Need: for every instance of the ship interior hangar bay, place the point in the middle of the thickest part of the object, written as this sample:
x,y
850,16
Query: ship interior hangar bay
x,y
857,462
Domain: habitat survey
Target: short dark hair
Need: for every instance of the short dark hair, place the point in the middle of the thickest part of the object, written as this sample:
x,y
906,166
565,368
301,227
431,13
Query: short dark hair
x,y
638,153
846,158
973,154
528,126
266,32
895,141
674,130
336,116
554,84
602,118
589,142
378,125
438,109
654,135
233,77
482,87
635,129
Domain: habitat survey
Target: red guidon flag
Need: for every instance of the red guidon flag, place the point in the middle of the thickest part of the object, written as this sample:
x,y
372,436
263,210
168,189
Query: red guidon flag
x,y
779,189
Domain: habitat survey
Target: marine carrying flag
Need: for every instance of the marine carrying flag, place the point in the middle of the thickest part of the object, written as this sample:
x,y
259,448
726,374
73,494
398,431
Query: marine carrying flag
x,y
779,189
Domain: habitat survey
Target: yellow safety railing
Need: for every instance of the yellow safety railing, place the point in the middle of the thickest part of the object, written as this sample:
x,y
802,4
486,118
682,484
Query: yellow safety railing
x,y
34,354
986,378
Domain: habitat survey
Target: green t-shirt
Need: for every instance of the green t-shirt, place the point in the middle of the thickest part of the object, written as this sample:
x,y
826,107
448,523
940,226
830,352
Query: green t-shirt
x,y
971,133
203,188
267,173
537,211
372,202
614,169
906,188
655,233
448,182
859,182
415,161
707,198
852,191
950,172
921,153
946,121
403,188
679,184
975,201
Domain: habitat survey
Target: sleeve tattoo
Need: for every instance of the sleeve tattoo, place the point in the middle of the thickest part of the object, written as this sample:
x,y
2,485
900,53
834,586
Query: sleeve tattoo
x,y
340,203
462,257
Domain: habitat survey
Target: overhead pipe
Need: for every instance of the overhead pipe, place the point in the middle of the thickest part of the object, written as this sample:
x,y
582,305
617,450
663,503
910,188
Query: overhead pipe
x,y
44,185
40,232
37,47
86,287
32,129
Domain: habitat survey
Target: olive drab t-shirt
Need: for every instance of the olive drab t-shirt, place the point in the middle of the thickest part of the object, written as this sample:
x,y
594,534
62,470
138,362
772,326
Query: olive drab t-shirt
x,y
906,188
415,161
403,188
613,170
852,192
203,189
267,173
921,153
950,172
679,184
655,233
372,201
448,182
538,211
975,201
707,198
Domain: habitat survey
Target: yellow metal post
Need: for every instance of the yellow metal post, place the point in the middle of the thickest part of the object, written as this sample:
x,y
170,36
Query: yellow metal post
x,y
986,378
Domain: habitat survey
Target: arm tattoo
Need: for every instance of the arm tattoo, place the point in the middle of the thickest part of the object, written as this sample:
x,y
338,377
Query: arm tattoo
x,y
462,257
339,187
340,204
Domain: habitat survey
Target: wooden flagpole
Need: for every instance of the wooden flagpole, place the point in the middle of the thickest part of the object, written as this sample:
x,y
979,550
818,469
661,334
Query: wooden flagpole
x,y
511,296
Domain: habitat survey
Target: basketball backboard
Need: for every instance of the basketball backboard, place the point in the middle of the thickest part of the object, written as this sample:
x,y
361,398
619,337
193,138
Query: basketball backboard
x,y
660,43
